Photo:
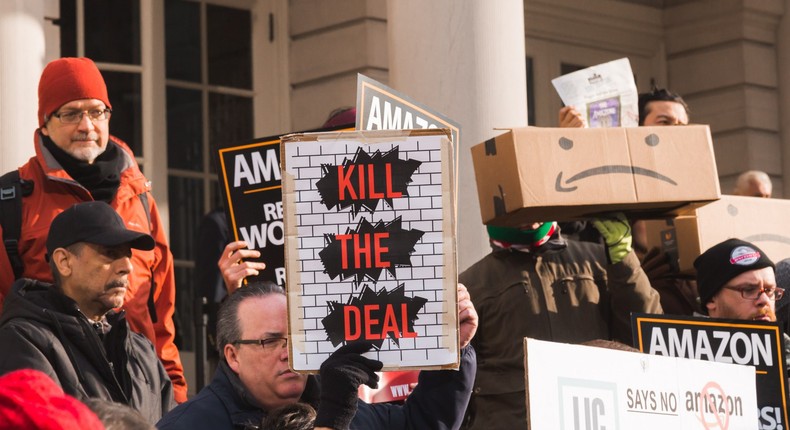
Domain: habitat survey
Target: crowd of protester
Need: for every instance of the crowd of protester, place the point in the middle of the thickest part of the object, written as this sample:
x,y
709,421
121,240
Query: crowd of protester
x,y
88,298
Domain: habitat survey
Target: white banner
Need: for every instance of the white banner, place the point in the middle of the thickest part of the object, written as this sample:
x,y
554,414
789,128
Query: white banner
x,y
574,387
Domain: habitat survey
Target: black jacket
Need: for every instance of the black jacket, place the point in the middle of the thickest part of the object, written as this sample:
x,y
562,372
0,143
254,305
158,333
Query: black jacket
x,y
438,403
43,329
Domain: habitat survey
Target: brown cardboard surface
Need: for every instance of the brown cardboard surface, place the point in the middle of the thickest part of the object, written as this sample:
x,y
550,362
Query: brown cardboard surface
x,y
757,220
541,174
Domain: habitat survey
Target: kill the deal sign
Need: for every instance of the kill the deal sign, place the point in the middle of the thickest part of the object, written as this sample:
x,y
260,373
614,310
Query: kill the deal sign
x,y
370,246
250,175
748,343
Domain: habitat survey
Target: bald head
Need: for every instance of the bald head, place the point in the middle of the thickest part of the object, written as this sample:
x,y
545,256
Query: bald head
x,y
753,183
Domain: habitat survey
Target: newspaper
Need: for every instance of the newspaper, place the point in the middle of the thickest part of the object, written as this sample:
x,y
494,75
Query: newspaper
x,y
605,95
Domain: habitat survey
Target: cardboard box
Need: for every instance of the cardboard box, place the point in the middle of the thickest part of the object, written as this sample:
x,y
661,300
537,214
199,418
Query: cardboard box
x,y
555,174
754,219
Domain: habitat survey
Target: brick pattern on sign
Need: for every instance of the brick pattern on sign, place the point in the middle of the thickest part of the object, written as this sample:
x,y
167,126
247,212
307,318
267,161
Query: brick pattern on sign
x,y
421,210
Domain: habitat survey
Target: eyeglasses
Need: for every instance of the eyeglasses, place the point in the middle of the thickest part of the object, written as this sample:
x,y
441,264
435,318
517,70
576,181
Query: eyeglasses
x,y
75,116
269,344
753,293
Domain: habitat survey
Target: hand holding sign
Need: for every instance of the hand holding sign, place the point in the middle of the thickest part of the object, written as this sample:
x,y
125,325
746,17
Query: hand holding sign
x,y
233,267
341,375
570,117
467,317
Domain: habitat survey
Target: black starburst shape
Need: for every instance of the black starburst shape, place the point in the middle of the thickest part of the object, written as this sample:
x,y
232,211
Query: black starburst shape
x,y
362,182
366,251
373,316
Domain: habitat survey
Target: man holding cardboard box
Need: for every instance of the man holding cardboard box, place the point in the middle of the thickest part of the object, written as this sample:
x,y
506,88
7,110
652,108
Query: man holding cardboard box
x,y
536,284
678,293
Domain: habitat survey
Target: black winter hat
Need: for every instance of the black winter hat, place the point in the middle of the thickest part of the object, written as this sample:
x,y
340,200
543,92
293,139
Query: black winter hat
x,y
94,222
724,261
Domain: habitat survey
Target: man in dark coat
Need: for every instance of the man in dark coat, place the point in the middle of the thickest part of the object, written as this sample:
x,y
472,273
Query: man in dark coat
x,y
69,329
253,376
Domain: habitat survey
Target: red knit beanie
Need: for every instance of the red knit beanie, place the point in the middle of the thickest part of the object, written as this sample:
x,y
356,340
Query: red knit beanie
x,y
29,399
68,79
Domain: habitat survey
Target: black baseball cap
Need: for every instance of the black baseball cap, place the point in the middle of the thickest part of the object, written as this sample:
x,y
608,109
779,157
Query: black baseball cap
x,y
724,261
97,223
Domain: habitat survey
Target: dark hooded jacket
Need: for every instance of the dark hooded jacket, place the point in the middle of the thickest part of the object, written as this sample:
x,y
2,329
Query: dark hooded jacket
x,y
43,329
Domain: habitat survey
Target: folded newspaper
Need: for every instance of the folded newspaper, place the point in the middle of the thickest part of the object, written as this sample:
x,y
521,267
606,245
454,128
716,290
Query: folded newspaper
x,y
605,95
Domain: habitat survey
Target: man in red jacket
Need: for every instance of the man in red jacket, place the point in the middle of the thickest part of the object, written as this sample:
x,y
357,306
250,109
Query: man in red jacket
x,y
76,161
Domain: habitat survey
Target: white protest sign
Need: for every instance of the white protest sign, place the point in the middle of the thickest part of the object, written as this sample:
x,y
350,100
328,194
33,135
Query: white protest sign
x,y
574,387
370,246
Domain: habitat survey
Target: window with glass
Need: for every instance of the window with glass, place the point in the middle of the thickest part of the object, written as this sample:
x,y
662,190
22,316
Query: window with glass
x,y
208,103
209,106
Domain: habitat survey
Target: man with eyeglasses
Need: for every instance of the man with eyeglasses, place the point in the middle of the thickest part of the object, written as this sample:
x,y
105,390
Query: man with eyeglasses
x,y
77,160
69,329
253,377
736,280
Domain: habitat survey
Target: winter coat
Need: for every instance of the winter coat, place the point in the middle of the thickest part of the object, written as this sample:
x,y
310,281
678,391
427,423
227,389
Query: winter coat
x,y
570,295
150,299
43,329
437,403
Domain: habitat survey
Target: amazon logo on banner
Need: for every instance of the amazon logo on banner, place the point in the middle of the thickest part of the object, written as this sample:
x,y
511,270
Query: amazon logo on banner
x,y
566,187
366,251
373,316
361,182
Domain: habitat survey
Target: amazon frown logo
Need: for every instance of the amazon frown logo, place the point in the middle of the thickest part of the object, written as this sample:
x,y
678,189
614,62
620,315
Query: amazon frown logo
x,y
566,186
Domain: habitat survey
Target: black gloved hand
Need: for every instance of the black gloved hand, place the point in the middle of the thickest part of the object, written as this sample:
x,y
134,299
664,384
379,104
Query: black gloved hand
x,y
341,375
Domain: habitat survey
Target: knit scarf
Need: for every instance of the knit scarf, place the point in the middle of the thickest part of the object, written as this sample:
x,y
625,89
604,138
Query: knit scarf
x,y
525,240
101,178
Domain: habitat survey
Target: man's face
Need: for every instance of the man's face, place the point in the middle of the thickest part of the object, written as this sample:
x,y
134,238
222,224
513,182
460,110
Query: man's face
x,y
264,371
756,188
85,140
665,113
729,303
97,277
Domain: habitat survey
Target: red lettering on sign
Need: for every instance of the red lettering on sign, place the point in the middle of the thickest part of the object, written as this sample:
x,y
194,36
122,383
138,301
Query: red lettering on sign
x,y
353,317
344,183
366,183
361,247
347,311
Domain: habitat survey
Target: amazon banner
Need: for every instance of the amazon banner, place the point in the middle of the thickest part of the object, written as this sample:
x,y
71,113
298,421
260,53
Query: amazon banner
x,y
559,174
370,246
250,177
380,107
749,343
760,221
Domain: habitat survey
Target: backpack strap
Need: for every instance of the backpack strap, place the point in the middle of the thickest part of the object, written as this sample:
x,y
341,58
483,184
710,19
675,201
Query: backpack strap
x,y
151,304
12,189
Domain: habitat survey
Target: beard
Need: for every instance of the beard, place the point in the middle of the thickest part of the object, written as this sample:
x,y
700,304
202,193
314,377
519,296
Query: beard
x,y
86,153
768,311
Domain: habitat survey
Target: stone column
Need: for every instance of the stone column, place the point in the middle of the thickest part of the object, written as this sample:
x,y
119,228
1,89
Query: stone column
x,y
22,58
722,58
465,59
783,67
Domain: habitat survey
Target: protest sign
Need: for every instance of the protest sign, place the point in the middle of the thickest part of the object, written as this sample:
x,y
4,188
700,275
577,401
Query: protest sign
x,y
751,343
250,177
380,107
574,387
370,246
